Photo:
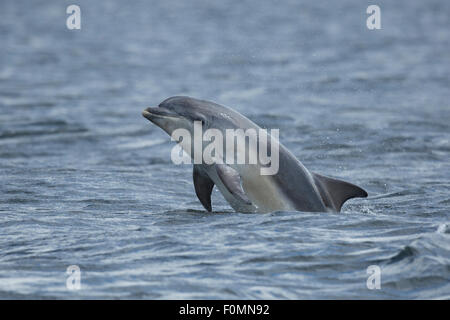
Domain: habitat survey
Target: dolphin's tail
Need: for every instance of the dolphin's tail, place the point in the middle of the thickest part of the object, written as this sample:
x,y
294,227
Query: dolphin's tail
x,y
335,192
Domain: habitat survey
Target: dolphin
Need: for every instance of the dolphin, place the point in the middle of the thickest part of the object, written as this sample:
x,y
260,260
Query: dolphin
x,y
291,188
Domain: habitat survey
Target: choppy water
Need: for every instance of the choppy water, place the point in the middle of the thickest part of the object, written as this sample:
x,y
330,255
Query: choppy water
x,y
86,181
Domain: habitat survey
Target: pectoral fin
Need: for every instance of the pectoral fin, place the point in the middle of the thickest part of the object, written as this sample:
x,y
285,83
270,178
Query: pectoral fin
x,y
232,181
203,187
335,192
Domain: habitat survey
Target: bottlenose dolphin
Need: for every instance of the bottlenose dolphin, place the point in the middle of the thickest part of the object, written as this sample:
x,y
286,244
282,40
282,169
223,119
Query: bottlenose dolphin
x,y
292,188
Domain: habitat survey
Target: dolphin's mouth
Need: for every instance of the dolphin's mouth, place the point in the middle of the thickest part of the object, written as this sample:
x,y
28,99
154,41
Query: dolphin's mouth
x,y
158,112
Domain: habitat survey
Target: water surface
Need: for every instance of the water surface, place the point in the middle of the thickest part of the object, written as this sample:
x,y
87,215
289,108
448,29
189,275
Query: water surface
x,y
86,181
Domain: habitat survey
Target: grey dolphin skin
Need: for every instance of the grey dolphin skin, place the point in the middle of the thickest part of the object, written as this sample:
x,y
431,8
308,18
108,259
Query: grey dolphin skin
x,y
292,188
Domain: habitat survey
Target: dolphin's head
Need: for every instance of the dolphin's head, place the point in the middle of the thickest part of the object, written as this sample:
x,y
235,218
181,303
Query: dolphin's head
x,y
181,112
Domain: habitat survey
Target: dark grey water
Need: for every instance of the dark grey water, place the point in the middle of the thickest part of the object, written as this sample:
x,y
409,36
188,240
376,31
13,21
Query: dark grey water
x,y
86,181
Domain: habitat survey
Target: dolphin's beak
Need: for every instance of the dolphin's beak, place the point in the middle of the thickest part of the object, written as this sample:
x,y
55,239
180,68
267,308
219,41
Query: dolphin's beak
x,y
154,113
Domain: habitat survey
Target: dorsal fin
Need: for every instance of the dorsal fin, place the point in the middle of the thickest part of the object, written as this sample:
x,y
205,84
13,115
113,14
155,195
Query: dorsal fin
x,y
335,192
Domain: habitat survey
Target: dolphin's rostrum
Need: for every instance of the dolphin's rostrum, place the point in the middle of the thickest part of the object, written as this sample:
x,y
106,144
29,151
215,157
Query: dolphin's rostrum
x,y
292,188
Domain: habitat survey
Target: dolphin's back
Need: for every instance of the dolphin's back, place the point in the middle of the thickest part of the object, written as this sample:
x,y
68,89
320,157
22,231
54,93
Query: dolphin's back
x,y
297,183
